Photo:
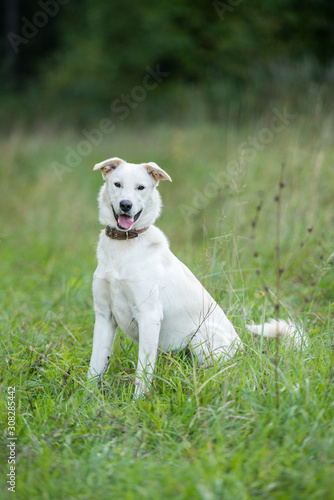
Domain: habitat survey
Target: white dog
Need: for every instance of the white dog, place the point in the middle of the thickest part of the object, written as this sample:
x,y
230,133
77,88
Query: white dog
x,y
140,286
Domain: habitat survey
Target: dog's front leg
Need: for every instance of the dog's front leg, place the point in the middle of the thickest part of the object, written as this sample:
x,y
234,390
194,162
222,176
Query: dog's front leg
x,y
104,329
104,332
149,331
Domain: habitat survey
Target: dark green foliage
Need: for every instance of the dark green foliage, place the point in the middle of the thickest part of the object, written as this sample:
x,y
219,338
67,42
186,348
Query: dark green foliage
x,y
91,52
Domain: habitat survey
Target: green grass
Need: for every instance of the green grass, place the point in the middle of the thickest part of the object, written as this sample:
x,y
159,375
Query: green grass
x,y
200,434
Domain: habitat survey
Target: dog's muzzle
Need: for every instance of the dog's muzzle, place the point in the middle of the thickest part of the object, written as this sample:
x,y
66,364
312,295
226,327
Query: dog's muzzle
x,y
125,221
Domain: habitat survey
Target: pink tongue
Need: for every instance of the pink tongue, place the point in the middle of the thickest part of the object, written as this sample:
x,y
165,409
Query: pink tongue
x,y
125,221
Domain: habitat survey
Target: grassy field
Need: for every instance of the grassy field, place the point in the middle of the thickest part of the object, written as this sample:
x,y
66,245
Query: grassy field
x,y
228,432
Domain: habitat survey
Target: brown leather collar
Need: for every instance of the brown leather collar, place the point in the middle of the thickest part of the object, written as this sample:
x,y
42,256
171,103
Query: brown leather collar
x,y
115,234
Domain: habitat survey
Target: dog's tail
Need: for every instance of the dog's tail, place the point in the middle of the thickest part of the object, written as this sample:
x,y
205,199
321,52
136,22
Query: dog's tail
x,y
286,330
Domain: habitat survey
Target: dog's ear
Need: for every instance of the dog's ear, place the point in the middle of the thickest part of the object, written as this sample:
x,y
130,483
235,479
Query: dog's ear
x,y
156,172
107,166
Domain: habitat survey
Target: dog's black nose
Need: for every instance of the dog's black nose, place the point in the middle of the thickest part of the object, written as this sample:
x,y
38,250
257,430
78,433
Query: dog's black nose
x,y
125,205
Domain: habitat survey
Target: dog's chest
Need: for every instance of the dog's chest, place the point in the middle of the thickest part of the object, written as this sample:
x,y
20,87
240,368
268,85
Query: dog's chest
x,y
123,303
131,271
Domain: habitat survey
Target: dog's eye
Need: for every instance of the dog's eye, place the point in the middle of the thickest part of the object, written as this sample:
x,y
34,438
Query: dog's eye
x,y
140,188
117,184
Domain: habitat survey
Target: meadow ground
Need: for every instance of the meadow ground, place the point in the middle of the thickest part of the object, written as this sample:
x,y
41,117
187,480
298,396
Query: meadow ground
x,y
259,427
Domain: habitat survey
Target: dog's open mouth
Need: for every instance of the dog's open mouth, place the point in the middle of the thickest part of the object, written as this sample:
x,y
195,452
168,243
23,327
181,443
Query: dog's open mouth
x,y
124,221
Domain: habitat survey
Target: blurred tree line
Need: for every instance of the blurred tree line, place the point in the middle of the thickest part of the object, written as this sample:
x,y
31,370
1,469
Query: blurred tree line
x,y
80,56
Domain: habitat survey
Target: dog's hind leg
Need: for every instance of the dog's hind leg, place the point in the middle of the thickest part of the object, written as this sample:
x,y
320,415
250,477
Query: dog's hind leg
x,y
212,350
207,356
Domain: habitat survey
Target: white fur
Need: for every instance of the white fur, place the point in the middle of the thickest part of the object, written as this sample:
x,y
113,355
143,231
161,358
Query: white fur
x,y
140,286
292,334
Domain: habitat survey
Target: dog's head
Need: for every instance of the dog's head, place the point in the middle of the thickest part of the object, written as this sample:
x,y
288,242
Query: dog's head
x,y
129,199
